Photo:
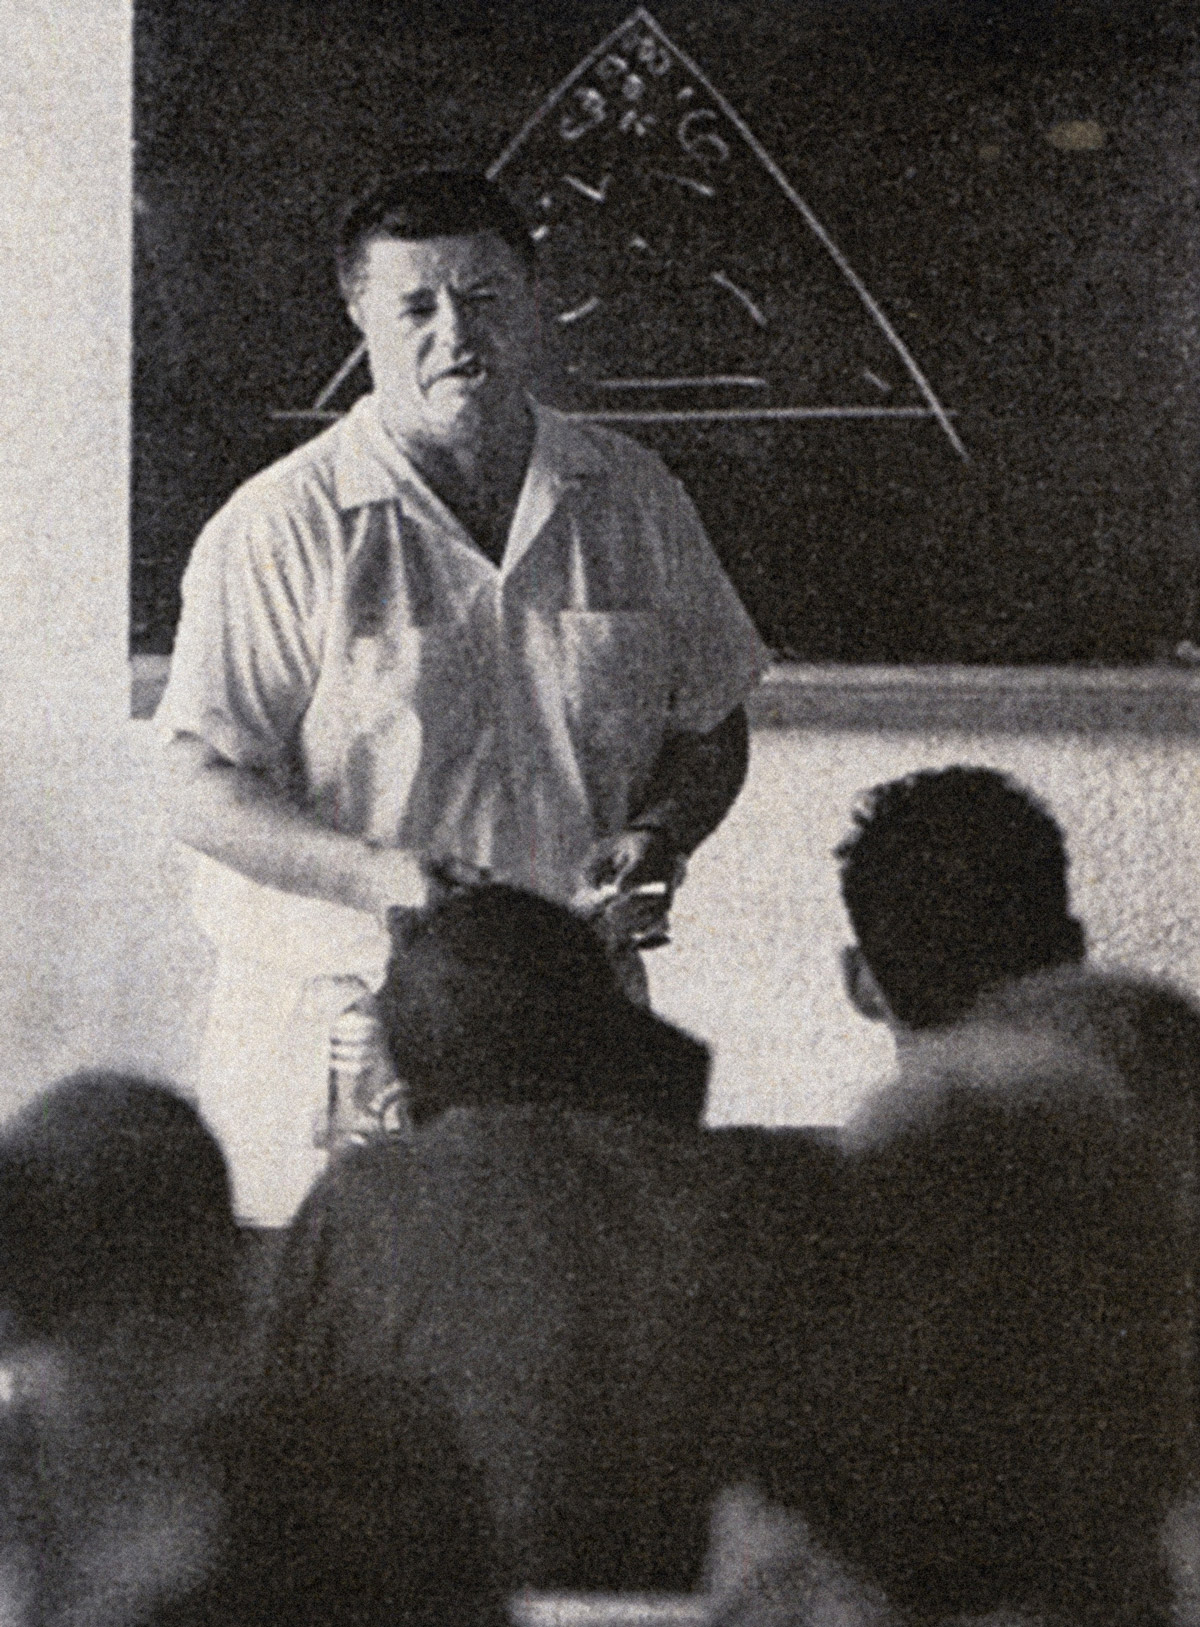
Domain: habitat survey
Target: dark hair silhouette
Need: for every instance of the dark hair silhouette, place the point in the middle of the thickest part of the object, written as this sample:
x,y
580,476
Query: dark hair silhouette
x,y
495,995
419,204
955,880
113,1197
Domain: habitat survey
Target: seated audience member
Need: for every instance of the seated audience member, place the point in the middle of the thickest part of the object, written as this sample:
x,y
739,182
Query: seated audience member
x,y
118,1295
147,1478
498,997
994,1419
541,1252
955,881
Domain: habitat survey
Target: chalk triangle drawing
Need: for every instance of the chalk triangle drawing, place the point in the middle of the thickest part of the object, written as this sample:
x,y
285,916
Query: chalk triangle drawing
x,y
684,275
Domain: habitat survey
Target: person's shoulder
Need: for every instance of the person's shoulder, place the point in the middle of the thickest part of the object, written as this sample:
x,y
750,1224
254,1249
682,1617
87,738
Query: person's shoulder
x,y
362,1183
603,449
1067,1045
1140,1031
306,471
528,1156
520,1154
498,1150
464,1156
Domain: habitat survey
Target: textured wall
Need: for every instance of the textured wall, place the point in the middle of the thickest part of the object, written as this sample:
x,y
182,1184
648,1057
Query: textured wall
x,y
94,958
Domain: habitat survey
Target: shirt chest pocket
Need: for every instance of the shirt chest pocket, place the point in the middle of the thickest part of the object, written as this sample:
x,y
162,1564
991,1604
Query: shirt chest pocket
x,y
614,684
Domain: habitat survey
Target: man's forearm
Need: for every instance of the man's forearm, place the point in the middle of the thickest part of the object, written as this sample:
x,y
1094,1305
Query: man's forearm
x,y
235,815
695,782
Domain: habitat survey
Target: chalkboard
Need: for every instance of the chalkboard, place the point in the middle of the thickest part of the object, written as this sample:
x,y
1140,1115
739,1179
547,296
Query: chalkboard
x,y
906,293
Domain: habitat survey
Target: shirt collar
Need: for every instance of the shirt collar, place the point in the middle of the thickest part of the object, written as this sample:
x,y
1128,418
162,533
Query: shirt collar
x,y
370,468
562,451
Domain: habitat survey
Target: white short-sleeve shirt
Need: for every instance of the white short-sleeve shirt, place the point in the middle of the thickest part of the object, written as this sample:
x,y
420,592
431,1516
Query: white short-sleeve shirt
x,y
342,632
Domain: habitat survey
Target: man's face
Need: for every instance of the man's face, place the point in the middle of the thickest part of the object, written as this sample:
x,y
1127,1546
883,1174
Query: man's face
x,y
450,325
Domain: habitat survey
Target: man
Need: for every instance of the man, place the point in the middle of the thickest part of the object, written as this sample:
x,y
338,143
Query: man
x,y
546,1250
995,1414
457,633
151,1475
496,997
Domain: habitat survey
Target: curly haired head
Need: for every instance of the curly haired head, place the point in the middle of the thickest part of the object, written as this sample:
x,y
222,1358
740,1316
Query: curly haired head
x,y
955,880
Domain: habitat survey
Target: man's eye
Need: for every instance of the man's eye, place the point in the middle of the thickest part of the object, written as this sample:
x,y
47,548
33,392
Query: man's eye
x,y
479,296
419,310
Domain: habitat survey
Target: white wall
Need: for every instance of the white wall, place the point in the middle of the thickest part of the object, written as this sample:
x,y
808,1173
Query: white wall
x,y
97,958
92,963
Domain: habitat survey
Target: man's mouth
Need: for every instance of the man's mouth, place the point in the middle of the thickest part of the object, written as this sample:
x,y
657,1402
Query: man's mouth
x,y
471,369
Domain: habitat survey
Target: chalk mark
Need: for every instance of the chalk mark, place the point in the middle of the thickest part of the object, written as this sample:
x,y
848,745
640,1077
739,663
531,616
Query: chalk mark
x,y
810,219
709,381
550,102
580,311
723,281
934,408
598,194
683,415
874,378
342,374
701,187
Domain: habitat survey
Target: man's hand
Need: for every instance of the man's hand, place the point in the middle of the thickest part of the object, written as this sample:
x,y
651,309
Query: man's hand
x,y
442,878
407,881
629,859
394,877
626,886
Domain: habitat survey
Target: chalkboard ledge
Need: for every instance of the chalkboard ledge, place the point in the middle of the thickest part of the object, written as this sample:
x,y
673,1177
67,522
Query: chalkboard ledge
x,y
1150,700
1153,700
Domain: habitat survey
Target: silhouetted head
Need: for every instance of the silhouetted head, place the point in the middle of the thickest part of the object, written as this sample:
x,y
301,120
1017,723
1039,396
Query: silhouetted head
x,y
114,1199
955,881
495,995
119,1352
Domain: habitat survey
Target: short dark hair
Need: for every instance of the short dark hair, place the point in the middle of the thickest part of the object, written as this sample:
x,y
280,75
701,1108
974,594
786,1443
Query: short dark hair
x,y
955,880
427,203
496,996
114,1197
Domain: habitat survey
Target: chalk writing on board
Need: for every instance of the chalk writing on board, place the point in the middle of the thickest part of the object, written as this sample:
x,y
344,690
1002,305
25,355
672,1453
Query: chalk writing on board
x,y
684,269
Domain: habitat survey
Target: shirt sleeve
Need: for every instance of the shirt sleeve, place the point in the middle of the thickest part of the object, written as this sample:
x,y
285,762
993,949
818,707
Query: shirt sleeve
x,y
246,656
717,657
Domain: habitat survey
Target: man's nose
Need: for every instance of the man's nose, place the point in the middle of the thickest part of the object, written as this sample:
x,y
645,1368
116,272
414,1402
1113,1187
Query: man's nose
x,y
454,325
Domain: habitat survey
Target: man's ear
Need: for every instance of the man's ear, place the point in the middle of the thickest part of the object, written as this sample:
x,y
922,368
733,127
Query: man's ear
x,y
867,998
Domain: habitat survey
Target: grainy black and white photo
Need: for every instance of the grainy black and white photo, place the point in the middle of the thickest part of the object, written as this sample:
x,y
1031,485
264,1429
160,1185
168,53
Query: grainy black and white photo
x,y
600,695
